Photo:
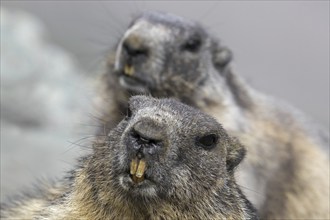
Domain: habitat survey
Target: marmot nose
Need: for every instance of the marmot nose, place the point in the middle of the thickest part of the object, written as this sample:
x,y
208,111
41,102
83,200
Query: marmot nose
x,y
149,137
134,47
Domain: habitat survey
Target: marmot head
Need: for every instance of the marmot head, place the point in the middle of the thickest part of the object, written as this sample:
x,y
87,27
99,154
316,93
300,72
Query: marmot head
x,y
166,55
164,149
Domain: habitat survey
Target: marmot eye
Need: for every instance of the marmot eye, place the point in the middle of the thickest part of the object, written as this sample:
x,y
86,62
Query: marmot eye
x,y
208,141
193,44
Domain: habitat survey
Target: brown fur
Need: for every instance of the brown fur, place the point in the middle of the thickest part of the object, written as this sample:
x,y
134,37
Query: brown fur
x,y
286,173
185,178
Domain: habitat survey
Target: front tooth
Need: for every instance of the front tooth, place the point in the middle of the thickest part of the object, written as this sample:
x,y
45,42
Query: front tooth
x,y
140,169
134,166
128,70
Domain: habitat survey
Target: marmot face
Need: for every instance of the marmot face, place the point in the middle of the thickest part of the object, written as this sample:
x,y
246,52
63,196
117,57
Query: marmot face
x,y
165,150
164,54
165,160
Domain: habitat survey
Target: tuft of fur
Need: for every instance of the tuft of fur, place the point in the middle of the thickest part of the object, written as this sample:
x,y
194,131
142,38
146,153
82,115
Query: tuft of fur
x,y
286,173
185,178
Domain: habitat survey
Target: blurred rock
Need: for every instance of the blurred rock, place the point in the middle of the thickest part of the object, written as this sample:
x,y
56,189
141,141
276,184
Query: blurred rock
x,y
44,101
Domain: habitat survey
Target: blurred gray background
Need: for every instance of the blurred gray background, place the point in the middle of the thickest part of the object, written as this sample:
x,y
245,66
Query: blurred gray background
x,y
280,47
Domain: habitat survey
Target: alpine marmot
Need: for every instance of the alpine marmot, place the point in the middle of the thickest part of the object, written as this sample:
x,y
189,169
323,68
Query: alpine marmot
x,y
164,160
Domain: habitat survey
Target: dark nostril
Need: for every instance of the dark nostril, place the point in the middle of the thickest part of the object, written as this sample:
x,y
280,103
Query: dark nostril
x,y
144,145
134,51
148,136
143,140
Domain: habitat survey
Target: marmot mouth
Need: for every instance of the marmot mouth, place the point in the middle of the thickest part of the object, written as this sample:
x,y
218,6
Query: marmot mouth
x,y
132,83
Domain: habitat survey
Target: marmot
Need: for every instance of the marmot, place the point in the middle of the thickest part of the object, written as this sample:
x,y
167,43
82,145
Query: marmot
x,y
286,173
165,160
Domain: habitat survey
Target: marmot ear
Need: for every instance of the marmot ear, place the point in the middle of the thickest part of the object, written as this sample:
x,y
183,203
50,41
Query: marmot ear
x,y
235,154
222,56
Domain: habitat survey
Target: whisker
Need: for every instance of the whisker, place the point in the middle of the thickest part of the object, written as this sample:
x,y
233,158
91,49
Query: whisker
x,y
120,27
209,11
89,125
66,162
256,192
77,143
